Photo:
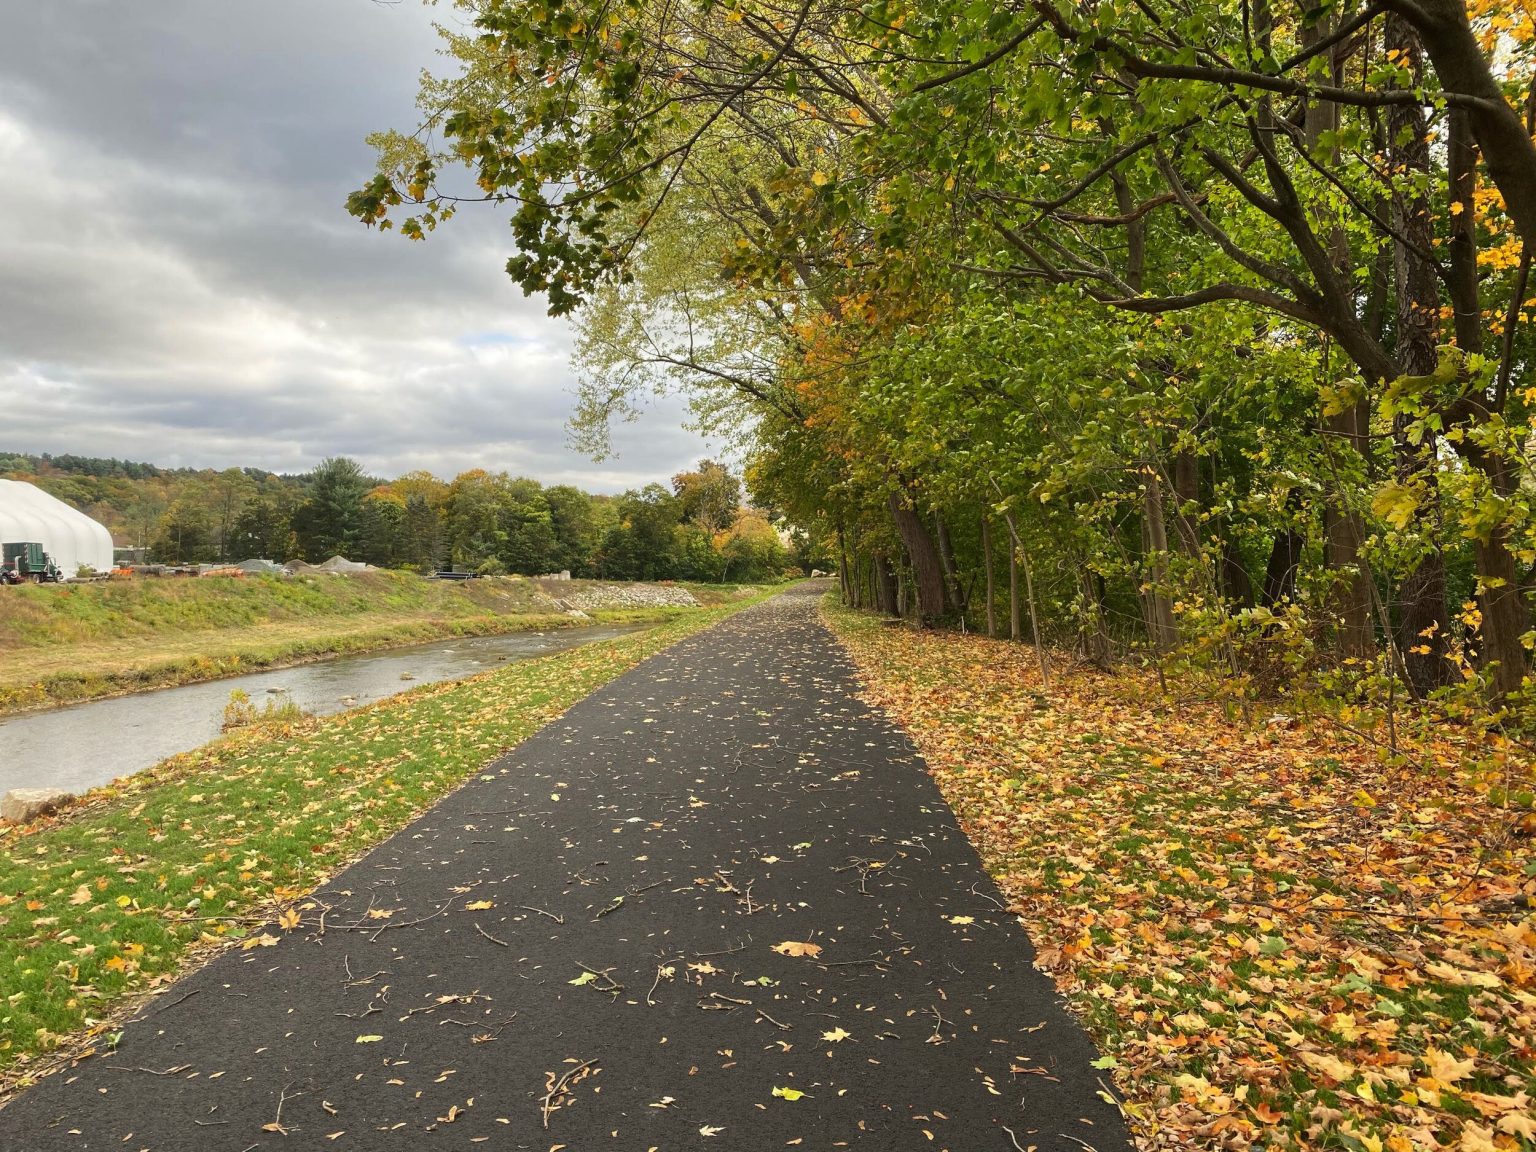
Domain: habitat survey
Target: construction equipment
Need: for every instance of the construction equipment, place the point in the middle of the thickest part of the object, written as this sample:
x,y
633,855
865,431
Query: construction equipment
x,y
27,561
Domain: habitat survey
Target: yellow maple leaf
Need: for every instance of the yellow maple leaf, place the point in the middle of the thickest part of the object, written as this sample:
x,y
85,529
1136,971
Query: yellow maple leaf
x,y
1446,1068
1330,1066
797,948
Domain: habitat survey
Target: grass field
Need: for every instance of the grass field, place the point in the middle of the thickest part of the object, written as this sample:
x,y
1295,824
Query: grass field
x,y
117,894
67,643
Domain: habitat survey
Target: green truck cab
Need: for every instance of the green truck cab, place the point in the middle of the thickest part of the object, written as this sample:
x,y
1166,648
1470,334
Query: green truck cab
x,y
27,561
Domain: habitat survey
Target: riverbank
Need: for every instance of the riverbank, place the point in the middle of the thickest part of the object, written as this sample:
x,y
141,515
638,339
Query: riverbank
x,y
116,895
66,644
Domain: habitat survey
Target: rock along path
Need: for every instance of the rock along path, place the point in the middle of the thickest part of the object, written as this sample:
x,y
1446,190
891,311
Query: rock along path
x,y
718,905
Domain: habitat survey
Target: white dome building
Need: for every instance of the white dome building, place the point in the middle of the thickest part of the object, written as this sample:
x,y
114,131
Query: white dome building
x,y
72,538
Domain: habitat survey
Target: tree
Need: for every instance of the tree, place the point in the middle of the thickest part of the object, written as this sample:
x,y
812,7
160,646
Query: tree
x,y
1178,293
329,521
710,496
184,535
263,530
643,546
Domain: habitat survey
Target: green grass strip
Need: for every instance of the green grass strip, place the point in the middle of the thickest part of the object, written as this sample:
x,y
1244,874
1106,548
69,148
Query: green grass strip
x,y
141,879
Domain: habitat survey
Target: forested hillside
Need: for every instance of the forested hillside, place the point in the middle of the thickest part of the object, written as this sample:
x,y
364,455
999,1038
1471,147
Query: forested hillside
x,y
696,529
1204,328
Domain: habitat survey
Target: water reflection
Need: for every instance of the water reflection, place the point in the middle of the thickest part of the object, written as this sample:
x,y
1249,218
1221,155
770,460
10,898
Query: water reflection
x,y
87,745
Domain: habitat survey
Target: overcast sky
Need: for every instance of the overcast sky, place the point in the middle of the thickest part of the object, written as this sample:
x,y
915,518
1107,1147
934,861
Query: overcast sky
x,y
180,282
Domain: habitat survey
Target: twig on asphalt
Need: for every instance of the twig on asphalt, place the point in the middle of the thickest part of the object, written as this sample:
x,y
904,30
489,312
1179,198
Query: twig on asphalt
x,y
660,968
547,1105
771,1020
282,1098
883,965
613,906
706,955
179,1000
412,923
541,912
491,938
938,1024
985,896
150,1071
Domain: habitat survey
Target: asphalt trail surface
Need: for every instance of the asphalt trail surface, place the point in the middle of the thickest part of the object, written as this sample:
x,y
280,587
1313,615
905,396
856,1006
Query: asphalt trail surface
x,y
717,883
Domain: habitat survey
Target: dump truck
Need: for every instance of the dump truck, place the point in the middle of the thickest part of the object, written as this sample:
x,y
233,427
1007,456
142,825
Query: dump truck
x,y
27,561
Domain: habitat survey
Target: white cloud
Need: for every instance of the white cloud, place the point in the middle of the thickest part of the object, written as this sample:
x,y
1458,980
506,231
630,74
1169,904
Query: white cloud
x,y
182,284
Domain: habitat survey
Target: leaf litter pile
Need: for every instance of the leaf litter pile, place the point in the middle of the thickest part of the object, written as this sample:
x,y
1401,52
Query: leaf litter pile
x,y
717,904
1277,939
112,897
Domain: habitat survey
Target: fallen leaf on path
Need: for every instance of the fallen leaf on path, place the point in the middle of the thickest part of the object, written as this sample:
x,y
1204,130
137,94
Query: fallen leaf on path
x,y
797,948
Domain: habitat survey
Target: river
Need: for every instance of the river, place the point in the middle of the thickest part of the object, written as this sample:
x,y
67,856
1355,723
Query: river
x,y
87,745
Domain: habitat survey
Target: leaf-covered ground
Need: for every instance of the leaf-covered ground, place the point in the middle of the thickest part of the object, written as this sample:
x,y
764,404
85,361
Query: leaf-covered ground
x,y
117,894
1279,940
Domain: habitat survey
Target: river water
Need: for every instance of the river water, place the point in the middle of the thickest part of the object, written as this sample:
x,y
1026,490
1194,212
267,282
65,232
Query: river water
x,y
87,745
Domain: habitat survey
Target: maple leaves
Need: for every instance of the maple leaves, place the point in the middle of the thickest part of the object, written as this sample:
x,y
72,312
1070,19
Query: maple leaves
x,y
1265,955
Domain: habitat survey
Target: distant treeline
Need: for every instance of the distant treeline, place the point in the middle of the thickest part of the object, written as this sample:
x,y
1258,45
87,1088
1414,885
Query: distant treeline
x,y
489,522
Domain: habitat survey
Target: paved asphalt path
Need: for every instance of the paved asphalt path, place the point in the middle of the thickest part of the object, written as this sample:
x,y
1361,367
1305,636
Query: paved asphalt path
x,y
580,953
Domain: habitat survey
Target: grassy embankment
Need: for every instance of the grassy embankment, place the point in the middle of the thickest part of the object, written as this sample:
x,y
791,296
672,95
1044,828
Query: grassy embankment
x,y
117,894
1278,938
68,643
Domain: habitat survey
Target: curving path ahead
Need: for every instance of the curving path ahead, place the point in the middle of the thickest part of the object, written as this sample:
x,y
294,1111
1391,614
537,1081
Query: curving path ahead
x,y
717,884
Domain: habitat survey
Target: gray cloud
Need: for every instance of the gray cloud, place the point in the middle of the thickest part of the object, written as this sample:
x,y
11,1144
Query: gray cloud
x,y
179,282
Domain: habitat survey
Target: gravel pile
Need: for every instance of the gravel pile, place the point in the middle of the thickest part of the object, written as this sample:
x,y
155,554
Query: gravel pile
x,y
626,596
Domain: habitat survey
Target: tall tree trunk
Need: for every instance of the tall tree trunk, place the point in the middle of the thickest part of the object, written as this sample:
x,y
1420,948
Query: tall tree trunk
x,y
1346,438
1161,628
1280,572
1236,585
986,559
1029,592
927,573
1345,435
844,575
1093,627
1462,68
1015,608
952,586
1506,617
1186,490
885,585
1424,617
